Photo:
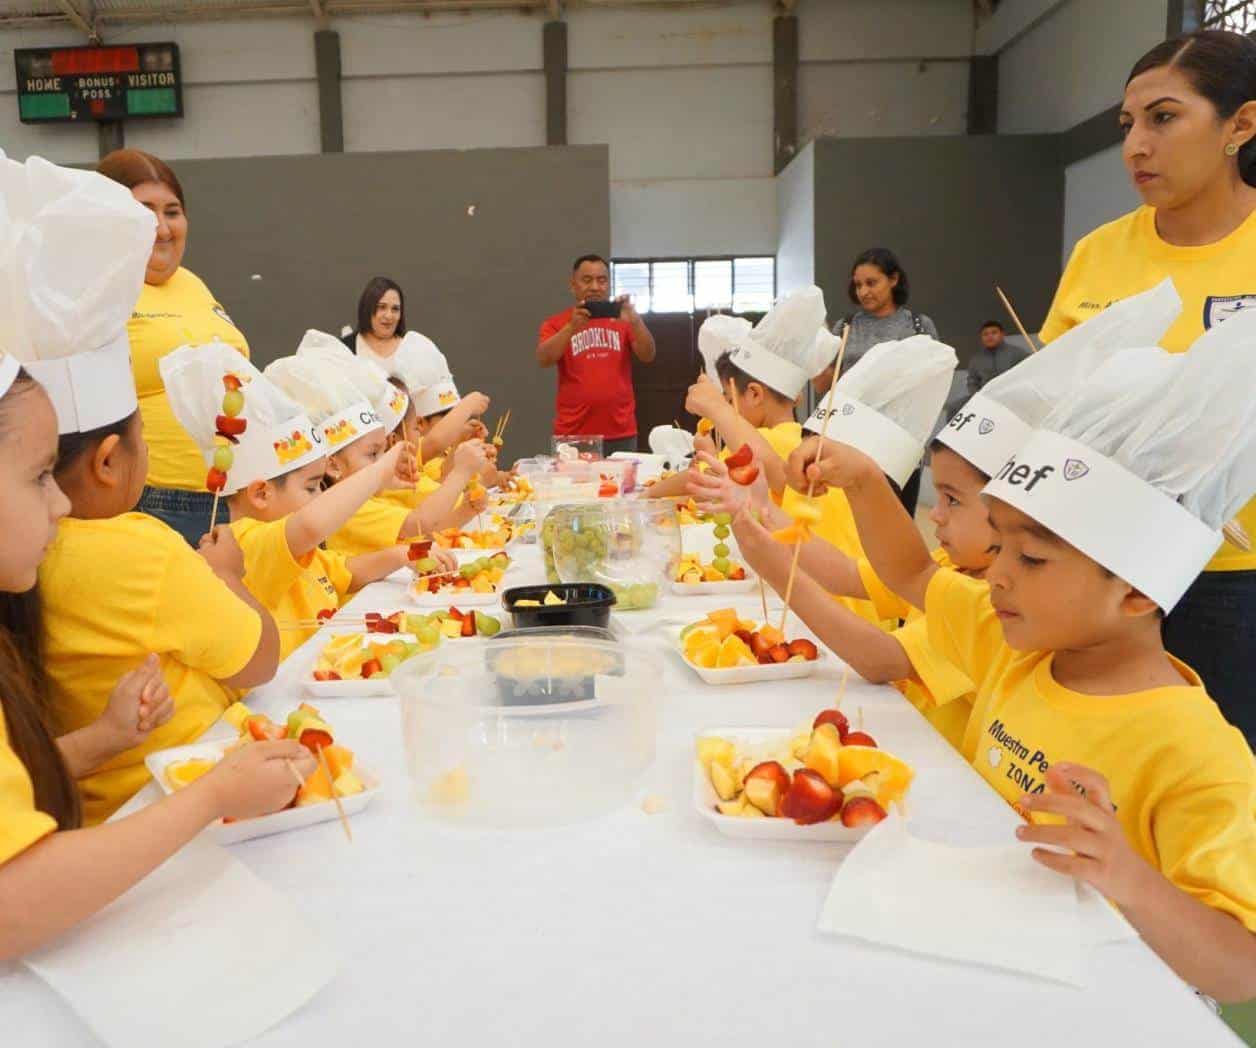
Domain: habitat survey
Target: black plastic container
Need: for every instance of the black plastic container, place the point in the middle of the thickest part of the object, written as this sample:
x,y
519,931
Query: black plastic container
x,y
553,683
587,604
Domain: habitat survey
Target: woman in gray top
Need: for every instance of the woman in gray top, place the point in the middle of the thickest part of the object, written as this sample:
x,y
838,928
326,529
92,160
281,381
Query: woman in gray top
x,y
879,287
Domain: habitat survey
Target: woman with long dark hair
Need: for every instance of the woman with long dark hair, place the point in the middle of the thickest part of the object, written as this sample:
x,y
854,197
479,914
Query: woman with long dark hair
x,y
1189,120
381,322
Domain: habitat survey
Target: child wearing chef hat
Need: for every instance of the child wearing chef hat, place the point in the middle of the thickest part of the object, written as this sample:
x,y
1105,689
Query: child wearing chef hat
x,y
1130,776
967,452
119,590
377,524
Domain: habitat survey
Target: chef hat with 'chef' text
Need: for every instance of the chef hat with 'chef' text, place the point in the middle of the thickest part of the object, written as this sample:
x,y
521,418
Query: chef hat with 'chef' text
x,y
425,371
387,401
1141,467
887,403
277,436
340,413
993,423
73,249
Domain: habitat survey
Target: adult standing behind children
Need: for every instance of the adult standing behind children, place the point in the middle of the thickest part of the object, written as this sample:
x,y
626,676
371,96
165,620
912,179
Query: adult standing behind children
x,y
381,322
996,356
594,354
175,309
1189,120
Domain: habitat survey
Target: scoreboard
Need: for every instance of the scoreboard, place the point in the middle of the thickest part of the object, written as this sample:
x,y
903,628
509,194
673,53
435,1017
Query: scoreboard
x,y
75,84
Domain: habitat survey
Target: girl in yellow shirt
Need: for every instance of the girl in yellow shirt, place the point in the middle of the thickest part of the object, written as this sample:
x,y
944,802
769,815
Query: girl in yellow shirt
x,y
43,853
1189,119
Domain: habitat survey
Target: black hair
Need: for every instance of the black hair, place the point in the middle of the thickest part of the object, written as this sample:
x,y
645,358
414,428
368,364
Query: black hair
x,y
73,446
589,258
726,369
1221,66
992,323
374,291
883,258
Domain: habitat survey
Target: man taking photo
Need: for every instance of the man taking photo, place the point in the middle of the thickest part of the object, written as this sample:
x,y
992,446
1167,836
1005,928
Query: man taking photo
x,y
593,344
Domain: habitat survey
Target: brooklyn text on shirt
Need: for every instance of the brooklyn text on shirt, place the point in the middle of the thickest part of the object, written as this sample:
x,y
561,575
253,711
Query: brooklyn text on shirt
x,y
596,338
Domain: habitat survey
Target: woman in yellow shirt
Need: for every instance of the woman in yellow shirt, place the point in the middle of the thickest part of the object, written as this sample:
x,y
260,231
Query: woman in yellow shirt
x,y
52,873
1189,119
175,308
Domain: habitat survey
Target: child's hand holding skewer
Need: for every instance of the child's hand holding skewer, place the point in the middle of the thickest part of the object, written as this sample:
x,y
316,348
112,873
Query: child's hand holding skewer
x,y
140,702
715,492
818,464
222,552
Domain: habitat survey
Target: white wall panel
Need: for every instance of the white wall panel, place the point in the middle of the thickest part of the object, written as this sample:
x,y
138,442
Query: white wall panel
x,y
863,30
1096,190
694,217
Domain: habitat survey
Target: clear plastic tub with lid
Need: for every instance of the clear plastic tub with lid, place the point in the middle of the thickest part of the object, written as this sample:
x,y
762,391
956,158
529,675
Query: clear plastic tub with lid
x,y
628,545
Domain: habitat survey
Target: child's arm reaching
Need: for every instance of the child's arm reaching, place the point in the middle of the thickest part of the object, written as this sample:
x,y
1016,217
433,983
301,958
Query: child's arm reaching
x,y
140,702
1208,948
871,652
435,511
85,870
331,510
366,568
448,431
895,548
707,399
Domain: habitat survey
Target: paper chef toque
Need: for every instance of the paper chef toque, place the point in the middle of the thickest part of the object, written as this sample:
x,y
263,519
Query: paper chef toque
x,y
674,445
278,437
9,367
425,371
73,249
994,423
785,350
887,403
339,412
1141,468
387,401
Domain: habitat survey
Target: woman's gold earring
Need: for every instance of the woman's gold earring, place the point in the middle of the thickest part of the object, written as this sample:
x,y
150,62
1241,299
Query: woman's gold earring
x,y
1231,149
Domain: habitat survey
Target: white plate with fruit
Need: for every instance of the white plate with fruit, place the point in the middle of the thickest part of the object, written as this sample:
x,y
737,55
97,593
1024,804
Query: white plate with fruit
x,y
692,577
181,765
724,648
476,583
807,785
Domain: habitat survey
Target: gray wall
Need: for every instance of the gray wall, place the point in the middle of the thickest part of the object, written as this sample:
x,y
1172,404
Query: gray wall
x,y
962,214
316,228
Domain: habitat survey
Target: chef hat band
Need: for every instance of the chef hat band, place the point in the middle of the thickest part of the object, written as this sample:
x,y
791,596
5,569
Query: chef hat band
x,y
778,373
436,398
371,388
339,412
9,367
89,390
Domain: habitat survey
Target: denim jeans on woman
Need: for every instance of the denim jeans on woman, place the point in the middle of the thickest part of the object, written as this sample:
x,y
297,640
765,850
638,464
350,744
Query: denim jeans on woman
x,y
186,511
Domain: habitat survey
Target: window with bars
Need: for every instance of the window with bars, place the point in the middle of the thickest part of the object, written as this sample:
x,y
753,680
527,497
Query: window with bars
x,y
1236,15
679,285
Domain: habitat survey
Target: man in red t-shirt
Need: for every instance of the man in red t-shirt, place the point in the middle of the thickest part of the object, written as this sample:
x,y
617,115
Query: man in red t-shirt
x,y
595,393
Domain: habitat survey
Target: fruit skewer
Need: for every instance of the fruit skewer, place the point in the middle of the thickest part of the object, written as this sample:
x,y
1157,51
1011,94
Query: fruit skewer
x,y
763,592
335,794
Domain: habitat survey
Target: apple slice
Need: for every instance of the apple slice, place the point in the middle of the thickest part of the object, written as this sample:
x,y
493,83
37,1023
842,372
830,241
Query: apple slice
x,y
862,811
766,784
810,799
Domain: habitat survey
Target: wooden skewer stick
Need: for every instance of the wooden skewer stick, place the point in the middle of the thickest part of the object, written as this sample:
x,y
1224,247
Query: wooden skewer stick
x,y
505,422
335,796
295,774
1033,348
1237,535
824,429
213,515
841,688
763,592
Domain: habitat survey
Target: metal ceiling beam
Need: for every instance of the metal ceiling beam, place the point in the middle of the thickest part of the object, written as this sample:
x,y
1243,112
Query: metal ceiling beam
x,y
79,19
320,13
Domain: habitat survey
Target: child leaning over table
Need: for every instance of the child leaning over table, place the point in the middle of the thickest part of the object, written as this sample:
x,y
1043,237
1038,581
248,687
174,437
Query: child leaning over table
x,y
277,511
966,453
1129,776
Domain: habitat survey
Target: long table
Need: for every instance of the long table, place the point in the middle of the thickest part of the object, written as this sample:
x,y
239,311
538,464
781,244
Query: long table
x,y
640,928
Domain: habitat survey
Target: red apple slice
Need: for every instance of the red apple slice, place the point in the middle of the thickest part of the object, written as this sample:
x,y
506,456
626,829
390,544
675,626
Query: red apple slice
x,y
765,785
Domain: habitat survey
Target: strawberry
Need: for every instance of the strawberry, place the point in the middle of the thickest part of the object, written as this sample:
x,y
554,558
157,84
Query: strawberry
x,y
215,480
835,717
743,456
803,647
454,613
231,427
468,625
766,784
746,637
759,647
608,491
862,811
418,550
315,739
810,799
779,653
737,574
744,475
231,383
383,626
262,728
369,668
859,738
326,675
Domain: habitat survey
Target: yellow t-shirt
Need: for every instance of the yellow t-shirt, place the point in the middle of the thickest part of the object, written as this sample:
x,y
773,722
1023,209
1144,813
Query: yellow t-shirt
x,y
179,312
428,482
375,526
889,604
21,823
1126,257
1182,779
291,589
115,591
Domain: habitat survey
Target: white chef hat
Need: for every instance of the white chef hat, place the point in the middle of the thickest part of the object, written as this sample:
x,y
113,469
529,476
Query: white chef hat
x,y
333,403
387,401
993,423
785,350
425,371
278,437
73,249
887,403
674,445
1140,469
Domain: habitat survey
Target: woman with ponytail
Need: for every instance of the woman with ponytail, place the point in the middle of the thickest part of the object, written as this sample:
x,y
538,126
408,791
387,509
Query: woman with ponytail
x,y
1189,121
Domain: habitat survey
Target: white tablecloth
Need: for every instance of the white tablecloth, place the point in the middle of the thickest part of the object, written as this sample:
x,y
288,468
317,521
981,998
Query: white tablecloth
x,y
643,930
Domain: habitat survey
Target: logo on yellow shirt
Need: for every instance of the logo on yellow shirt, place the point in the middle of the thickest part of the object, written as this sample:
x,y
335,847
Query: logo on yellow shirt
x,y
292,448
1221,307
221,313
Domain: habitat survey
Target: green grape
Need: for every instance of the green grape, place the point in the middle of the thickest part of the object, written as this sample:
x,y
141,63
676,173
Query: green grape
x,y
722,531
389,662
224,457
720,550
722,564
723,519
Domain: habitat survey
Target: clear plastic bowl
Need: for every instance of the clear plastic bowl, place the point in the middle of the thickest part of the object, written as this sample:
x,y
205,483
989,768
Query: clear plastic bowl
x,y
626,544
529,730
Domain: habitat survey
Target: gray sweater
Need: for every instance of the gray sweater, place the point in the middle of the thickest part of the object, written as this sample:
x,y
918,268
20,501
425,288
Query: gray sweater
x,y
867,331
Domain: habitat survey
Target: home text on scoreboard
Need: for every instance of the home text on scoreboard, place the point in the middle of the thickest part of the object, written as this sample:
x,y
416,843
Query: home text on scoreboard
x,y
73,84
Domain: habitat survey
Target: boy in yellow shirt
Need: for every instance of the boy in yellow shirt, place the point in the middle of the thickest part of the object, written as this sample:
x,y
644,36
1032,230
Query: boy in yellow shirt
x,y
1128,774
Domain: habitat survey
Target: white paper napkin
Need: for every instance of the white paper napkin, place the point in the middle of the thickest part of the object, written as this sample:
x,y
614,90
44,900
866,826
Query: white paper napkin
x,y
992,906
200,954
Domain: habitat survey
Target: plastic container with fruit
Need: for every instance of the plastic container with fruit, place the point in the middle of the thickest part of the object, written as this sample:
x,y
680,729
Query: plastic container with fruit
x,y
731,647
560,604
622,544
480,753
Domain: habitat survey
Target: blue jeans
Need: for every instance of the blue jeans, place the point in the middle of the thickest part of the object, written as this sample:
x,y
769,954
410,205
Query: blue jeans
x,y
185,511
1213,630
